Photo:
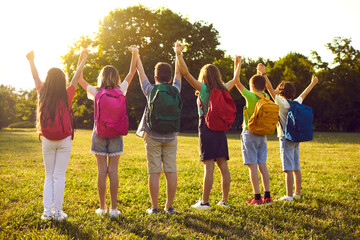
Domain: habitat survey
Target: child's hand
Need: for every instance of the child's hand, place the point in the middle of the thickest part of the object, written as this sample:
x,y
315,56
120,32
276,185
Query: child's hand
x,y
261,69
30,56
133,49
314,80
237,61
83,54
178,48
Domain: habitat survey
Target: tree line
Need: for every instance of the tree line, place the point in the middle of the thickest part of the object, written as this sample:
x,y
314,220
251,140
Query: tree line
x,y
335,100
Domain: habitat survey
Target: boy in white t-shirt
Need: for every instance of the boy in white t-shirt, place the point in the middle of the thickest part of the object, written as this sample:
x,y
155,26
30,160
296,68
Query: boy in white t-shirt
x,y
289,151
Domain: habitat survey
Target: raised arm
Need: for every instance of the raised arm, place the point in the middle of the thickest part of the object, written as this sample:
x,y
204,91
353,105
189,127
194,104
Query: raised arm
x,y
135,55
261,70
30,57
81,64
314,81
140,70
237,69
184,69
177,66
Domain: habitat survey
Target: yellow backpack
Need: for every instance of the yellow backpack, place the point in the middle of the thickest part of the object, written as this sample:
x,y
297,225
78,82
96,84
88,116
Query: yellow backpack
x,y
265,117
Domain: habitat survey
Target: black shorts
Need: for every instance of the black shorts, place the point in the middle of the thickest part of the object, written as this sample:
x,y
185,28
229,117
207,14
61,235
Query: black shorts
x,y
212,144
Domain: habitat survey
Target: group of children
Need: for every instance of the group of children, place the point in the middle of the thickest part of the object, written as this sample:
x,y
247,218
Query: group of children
x,y
54,112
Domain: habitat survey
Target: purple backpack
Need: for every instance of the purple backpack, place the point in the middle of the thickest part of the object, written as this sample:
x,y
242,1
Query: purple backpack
x,y
111,117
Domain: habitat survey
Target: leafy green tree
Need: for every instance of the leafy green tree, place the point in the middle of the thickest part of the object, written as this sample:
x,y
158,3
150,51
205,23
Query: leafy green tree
x,y
26,105
338,98
7,105
155,32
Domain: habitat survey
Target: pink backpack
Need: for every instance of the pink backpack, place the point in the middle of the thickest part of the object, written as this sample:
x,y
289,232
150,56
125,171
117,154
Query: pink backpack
x,y
62,126
111,117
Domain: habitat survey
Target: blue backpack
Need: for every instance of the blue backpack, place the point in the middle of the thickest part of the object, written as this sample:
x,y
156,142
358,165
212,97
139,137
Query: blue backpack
x,y
299,123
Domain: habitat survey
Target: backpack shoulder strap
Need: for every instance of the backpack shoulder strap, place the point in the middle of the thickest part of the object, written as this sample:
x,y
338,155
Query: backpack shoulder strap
x,y
261,96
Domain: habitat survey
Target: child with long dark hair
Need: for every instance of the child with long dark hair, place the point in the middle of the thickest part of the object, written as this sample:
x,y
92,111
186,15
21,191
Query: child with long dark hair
x,y
54,124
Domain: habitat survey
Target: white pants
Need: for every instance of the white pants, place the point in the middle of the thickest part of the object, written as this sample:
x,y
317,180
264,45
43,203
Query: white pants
x,y
56,156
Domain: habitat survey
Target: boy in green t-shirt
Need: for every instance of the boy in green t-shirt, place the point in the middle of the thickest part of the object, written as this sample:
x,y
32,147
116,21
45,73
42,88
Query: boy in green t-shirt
x,y
254,147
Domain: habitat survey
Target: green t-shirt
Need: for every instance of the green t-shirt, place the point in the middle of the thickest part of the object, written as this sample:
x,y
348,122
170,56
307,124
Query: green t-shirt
x,y
251,100
204,96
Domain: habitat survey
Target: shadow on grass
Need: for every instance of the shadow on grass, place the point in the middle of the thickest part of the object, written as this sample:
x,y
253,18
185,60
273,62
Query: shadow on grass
x,y
72,230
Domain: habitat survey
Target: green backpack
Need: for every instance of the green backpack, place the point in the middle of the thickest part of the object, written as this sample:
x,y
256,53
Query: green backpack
x,y
164,108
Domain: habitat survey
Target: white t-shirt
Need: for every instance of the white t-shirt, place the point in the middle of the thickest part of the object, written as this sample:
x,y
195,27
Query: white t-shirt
x,y
284,108
92,91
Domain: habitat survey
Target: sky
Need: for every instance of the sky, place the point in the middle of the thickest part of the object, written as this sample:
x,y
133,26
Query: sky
x,y
262,28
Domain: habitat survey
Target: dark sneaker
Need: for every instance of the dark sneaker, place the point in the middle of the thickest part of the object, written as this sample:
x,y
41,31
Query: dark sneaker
x,y
253,201
169,210
152,211
200,205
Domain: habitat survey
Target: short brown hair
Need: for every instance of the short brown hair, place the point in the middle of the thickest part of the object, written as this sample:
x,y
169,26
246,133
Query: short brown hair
x,y
286,89
259,82
163,72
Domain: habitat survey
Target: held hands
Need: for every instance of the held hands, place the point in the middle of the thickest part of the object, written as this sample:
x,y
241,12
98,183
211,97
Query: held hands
x,y
178,48
261,69
30,56
237,67
83,56
133,49
314,80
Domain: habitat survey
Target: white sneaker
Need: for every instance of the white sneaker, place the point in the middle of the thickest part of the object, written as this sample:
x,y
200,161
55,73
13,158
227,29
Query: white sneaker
x,y
295,196
200,205
60,216
114,213
286,198
101,212
46,217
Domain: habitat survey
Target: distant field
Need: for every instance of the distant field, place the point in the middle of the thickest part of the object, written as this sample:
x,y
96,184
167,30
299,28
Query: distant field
x,y
330,210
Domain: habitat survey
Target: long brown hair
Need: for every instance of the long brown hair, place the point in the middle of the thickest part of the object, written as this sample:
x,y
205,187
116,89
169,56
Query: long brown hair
x,y
211,77
52,92
108,77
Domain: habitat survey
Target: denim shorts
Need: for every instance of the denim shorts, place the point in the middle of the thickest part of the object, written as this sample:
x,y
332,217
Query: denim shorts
x,y
106,146
289,154
253,148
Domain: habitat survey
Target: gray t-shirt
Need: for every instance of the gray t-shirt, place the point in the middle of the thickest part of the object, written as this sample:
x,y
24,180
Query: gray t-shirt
x,y
147,87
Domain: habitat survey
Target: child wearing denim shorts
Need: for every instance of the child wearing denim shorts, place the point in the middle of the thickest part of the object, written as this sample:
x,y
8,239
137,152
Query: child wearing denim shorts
x,y
108,150
253,146
289,151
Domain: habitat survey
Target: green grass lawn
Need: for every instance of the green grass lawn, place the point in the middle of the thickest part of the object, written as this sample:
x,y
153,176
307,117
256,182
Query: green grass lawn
x,y
330,210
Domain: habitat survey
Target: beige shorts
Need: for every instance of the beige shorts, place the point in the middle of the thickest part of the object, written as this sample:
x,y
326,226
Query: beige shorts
x,y
158,153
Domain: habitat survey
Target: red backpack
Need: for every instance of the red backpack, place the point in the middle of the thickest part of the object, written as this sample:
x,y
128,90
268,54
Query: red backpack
x,y
111,117
221,111
62,126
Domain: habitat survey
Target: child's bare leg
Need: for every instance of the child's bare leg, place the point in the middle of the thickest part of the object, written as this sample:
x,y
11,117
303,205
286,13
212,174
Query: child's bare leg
x,y
101,179
114,179
254,178
171,183
289,181
225,177
208,179
265,177
297,174
154,181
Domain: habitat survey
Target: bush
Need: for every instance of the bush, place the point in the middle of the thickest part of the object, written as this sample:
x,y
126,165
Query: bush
x,y
24,124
